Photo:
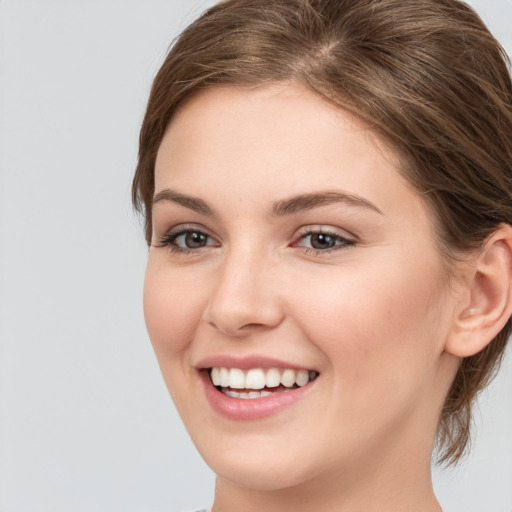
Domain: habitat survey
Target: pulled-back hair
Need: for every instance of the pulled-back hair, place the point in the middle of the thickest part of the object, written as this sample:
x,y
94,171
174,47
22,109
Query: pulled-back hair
x,y
426,75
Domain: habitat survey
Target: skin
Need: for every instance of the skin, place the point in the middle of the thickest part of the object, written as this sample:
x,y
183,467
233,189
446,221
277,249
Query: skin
x,y
372,316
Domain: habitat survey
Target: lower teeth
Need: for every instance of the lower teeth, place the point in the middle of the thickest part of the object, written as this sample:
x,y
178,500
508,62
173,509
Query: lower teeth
x,y
248,395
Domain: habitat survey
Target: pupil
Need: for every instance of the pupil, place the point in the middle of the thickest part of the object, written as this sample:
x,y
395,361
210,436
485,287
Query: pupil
x,y
322,241
194,240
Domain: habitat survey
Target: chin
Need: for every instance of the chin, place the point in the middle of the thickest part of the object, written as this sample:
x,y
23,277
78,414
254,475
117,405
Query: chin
x,y
260,475
266,462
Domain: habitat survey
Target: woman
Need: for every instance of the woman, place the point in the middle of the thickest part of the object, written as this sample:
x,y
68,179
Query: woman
x,y
327,194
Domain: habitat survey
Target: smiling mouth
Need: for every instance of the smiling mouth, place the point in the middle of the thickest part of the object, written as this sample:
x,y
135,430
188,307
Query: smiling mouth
x,y
258,382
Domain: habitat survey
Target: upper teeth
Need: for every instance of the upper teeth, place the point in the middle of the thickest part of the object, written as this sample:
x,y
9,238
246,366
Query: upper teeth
x,y
258,378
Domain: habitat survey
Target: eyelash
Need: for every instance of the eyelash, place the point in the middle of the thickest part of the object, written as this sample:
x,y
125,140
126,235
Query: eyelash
x,y
169,238
342,242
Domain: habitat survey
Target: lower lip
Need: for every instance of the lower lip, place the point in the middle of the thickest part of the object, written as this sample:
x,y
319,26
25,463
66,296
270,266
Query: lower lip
x,y
253,408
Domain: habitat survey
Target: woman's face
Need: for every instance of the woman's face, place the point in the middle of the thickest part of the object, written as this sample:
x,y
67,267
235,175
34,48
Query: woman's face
x,y
289,253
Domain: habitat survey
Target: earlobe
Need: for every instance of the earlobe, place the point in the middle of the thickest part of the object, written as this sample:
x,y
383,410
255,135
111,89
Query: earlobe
x,y
489,297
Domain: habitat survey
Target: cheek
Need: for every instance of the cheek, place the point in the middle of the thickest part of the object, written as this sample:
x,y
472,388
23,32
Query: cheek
x,y
173,306
373,321
378,335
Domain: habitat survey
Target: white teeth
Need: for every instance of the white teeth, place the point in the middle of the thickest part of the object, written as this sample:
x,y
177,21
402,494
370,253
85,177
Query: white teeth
x,y
273,378
224,377
215,375
255,379
288,378
248,395
236,378
302,377
259,378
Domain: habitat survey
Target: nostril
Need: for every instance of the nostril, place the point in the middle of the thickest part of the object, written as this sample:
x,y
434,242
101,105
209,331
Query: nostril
x,y
235,330
252,326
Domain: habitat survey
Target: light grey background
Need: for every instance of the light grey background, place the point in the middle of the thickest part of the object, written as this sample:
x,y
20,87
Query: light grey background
x,y
85,420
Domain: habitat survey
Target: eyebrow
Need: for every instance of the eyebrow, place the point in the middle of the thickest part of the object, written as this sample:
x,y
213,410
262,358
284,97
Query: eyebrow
x,y
190,202
304,202
281,208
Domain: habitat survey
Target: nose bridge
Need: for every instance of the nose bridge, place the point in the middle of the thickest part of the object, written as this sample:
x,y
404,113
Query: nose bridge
x,y
245,296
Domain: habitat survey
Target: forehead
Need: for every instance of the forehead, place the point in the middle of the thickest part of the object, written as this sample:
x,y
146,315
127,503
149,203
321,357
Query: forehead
x,y
274,132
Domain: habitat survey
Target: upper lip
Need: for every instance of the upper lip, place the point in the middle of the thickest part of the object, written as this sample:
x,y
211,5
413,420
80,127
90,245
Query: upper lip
x,y
247,362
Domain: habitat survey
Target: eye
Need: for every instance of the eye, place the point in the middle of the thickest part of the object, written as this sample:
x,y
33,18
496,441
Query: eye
x,y
186,240
191,239
321,241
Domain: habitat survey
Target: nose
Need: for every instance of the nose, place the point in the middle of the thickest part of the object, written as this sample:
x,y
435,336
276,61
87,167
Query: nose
x,y
245,296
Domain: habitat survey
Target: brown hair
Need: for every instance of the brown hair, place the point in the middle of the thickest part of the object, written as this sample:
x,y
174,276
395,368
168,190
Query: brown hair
x,y
426,75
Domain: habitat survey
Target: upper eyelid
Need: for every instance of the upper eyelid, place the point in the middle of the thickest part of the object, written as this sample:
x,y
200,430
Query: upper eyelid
x,y
304,230
183,228
328,230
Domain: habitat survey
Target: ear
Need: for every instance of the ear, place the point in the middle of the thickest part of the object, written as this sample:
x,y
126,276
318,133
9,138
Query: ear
x,y
488,303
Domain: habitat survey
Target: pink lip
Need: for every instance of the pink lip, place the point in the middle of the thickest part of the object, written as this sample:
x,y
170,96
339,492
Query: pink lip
x,y
246,363
239,409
